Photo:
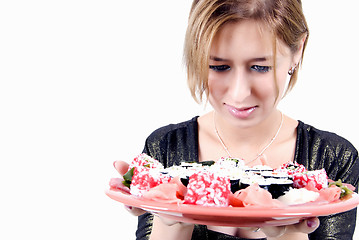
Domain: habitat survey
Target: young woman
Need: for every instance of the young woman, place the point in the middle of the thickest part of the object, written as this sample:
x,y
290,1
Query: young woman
x,y
239,54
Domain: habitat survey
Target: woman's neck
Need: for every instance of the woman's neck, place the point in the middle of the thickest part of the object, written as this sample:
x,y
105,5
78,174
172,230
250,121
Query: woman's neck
x,y
247,142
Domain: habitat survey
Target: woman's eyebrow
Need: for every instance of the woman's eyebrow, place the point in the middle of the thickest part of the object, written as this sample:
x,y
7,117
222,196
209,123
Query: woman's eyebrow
x,y
218,59
257,59
261,59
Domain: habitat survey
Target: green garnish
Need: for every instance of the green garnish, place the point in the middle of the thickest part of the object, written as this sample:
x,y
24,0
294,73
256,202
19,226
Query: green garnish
x,y
345,191
207,163
127,177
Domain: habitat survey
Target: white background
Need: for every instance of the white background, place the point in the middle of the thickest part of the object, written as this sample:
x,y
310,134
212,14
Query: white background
x,y
84,82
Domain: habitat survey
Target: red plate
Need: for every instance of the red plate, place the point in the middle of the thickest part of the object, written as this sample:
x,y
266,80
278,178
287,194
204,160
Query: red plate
x,y
236,216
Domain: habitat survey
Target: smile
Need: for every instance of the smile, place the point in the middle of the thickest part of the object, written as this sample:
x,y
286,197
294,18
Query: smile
x,y
241,113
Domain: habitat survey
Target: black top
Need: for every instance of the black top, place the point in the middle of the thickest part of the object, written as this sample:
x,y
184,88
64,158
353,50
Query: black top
x,y
315,149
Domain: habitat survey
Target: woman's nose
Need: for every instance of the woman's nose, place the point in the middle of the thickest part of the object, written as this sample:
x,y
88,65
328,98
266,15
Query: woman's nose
x,y
239,88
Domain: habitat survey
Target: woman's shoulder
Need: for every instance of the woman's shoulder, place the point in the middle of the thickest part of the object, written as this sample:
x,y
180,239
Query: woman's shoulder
x,y
310,137
312,134
317,149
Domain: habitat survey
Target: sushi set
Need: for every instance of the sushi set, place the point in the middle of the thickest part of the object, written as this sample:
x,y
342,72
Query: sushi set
x,y
228,193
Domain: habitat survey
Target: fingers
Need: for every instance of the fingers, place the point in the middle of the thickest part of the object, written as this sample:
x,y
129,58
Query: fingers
x,y
308,225
135,211
305,226
121,167
273,231
171,222
167,221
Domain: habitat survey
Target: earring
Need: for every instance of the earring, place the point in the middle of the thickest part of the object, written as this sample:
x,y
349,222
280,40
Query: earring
x,y
291,70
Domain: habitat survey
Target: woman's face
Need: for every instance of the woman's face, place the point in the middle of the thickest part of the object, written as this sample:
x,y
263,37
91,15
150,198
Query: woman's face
x,y
242,86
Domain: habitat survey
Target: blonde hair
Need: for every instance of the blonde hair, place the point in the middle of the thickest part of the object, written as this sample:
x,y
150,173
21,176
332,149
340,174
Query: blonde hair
x,y
284,18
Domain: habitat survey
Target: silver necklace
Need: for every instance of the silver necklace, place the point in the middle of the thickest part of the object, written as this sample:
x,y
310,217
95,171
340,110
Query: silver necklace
x,y
260,153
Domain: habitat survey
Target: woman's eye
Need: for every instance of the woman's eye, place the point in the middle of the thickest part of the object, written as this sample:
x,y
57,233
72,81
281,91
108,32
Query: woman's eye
x,y
261,69
219,68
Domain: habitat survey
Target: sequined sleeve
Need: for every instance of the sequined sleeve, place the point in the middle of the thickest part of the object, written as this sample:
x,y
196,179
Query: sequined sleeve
x,y
319,149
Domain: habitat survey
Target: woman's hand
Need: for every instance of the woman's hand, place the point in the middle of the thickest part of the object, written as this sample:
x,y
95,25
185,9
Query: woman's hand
x,y
298,231
164,228
305,226
161,226
122,168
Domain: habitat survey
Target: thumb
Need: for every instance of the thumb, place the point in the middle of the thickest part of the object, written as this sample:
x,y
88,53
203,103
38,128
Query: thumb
x,y
135,211
121,167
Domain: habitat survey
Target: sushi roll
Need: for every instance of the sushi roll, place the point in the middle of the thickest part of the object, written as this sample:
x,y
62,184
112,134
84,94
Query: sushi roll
x,y
185,170
225,167
275,175
230,163
276,184
259,169
188,165
143,160
280,188
145,173
208,189
317,179
232,168
291,168
146,178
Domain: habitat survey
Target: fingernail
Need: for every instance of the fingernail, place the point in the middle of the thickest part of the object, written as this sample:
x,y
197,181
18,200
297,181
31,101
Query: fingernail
x,y
311,223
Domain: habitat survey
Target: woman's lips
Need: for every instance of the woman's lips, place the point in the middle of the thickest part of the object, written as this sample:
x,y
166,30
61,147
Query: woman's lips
x,y
241,113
